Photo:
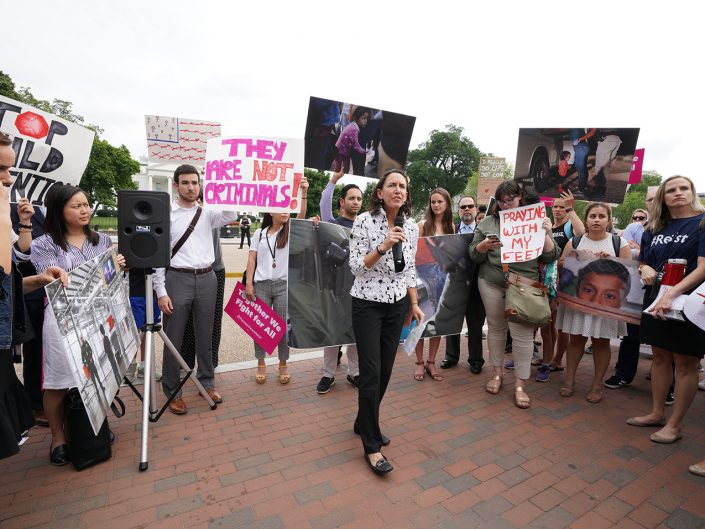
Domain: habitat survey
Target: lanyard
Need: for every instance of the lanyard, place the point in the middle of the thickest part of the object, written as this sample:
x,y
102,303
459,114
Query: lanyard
x,y
273,251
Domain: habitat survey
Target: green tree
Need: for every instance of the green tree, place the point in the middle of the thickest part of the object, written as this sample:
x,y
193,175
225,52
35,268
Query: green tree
x,y
317,180
109,168
634,198
448,160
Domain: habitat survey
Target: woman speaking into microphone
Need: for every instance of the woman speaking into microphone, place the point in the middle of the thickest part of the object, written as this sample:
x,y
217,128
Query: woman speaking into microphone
x,y
382,253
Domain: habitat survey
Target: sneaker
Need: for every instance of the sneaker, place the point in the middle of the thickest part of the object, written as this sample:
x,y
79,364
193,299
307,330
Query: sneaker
x,y
701,385
354,381
588,349
543,373
669,399
324,385
614,382
509,364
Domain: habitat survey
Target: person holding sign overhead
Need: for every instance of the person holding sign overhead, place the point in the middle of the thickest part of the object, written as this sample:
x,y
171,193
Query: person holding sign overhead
x,y
485,250
266,277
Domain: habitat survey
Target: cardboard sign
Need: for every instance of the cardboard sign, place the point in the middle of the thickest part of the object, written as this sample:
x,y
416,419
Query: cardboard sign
x,y
521,234
48,149
98,330
258,320
179,140
637,164
609,287
249,173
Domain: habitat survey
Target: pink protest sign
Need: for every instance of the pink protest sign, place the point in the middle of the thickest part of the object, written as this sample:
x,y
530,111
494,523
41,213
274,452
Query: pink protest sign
x,y
637,164
253,173
258,320
521,233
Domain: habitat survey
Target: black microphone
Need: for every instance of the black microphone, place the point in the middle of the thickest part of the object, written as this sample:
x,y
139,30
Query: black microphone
x,y
396,249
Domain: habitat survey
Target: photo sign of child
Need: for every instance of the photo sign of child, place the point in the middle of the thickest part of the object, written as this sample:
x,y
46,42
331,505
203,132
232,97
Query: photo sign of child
x,y
607,286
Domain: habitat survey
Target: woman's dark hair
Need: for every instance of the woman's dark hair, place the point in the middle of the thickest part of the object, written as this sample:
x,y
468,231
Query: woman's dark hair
x,y
376,202
54,224
358,112
510,187
607,267
267,221
429,226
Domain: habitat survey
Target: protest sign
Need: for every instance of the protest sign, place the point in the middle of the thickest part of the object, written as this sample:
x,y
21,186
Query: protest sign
x,y
253,173
319,285
257,319
48,149
490,175
593,163
637,165
98,330
521,233
443,272
179,140
356,139
608,287
695,307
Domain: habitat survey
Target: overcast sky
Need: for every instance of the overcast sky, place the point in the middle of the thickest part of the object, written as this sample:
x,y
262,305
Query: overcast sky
x,y
491,68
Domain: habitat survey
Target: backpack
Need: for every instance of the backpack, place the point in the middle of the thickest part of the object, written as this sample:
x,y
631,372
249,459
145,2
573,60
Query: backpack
x,y
616,242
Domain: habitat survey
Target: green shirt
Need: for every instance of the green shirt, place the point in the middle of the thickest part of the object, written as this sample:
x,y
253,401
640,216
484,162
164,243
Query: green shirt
x,y
490,262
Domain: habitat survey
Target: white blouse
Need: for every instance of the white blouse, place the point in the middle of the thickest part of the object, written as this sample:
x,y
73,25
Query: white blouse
x,y
264,270
381,283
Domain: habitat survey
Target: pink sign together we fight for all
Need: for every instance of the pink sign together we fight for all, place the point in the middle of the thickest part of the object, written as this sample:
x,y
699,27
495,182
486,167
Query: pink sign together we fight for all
x,y
258,320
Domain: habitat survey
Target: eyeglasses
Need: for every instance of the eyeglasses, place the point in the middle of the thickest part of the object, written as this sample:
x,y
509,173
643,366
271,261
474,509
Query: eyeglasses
x,y
640,219
466,206
508,199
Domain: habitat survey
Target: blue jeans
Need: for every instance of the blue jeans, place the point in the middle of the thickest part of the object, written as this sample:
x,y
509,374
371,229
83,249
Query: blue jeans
x,y
581,153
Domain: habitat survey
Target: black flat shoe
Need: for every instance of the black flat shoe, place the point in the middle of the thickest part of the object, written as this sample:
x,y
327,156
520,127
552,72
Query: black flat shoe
x,y
385,440
447,364
381,467
475,369
59,456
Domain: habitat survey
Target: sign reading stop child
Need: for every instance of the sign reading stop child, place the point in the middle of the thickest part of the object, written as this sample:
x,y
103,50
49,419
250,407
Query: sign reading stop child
x,y
521,233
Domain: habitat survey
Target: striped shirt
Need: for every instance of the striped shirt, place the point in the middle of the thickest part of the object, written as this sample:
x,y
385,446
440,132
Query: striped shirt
x,y
45,253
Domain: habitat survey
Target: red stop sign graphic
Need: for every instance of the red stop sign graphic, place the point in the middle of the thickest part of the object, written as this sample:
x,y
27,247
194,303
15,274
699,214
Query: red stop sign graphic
x,y
32,125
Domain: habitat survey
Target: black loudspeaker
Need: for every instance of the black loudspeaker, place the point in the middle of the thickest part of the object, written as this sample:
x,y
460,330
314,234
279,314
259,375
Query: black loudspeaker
x,y
144,220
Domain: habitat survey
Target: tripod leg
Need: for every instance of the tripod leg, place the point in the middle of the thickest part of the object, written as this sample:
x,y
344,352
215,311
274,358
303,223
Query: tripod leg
x,y
148,391
168,346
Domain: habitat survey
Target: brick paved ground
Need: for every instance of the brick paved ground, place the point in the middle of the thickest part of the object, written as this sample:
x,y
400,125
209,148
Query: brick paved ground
x,y
276,457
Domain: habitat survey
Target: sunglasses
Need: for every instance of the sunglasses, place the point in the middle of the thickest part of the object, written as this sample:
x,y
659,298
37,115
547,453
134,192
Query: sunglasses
x,y
467,206
638,218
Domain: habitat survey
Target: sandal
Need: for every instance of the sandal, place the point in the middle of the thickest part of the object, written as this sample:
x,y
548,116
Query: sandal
x,y
567,390
555,367
283,374
261,376
521,399
594,395
494,384
434,376
418,377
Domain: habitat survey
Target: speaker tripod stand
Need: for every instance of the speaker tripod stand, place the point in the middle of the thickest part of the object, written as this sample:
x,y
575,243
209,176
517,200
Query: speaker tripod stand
x,y
149,397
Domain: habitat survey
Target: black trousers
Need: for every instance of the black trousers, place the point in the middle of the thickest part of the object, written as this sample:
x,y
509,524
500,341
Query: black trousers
x,y
244,232
628,359
377,329
474,318
32,354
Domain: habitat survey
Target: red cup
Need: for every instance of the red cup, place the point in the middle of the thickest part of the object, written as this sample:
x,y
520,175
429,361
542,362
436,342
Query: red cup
x,y
673,272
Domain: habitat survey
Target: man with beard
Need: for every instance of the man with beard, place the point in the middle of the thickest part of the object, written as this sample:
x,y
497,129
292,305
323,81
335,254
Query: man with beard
x,y
349,204
188,286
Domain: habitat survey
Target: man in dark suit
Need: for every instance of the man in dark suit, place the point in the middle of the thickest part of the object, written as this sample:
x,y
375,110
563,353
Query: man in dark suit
x,y
474,309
